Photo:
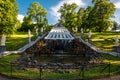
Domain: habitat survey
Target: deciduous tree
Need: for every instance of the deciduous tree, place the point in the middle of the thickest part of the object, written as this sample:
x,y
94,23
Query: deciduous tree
x,y
27,24
100,15
80,14
68,15
38,14
85,19
8,16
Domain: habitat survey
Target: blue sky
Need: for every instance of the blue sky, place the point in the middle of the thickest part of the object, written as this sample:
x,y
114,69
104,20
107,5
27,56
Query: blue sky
x,y
52,7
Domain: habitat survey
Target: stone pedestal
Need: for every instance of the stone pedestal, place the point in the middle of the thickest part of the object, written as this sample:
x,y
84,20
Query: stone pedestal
x,y
2,48
28,40
29,36
116,49
36,36
82,35
90,40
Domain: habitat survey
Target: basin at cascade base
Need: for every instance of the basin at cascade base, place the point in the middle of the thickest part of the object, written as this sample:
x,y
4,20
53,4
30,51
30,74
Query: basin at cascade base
x,y
60,46
59,58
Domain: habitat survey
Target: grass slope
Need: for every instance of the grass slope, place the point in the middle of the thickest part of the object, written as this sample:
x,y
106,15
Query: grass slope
x,y
16,41
5,68
101,40
104,41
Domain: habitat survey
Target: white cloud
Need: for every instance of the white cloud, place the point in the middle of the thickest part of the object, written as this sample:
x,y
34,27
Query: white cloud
x,y
20,17
55,8
117,4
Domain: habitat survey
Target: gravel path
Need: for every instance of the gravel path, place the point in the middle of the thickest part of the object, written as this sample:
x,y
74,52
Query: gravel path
x,y
3,78
111,78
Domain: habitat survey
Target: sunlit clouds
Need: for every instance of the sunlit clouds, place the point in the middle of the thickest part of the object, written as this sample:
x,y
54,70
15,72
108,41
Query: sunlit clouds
x,y
20,17
54,9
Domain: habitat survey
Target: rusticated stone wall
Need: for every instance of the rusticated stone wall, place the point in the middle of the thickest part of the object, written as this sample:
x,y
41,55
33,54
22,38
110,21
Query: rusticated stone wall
x,y
78,47
38,48
75,47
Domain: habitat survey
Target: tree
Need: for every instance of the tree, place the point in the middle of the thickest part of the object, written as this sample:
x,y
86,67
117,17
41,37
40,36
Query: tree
x,y
85,18
68,15
8,16
99,17
38,14
115,26
18,25
97,1
80,14
27,24
49,27
45,22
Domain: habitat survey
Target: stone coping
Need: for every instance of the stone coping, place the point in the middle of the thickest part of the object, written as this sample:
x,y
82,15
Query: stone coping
x,y
5,53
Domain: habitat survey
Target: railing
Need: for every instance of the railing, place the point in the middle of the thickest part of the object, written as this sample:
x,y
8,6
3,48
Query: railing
x,y
66,71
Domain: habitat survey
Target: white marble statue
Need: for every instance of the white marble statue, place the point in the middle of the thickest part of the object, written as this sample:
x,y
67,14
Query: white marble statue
x,y
81,30
116,41
89,34
76,29
36,30
29,36
42,29
3,40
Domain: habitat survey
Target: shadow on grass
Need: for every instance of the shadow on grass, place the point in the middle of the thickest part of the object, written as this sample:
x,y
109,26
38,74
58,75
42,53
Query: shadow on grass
x,y
110,57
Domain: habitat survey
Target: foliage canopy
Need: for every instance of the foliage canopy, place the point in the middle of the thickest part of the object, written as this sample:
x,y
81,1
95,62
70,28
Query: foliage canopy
x,y
8,16
38,14
96,17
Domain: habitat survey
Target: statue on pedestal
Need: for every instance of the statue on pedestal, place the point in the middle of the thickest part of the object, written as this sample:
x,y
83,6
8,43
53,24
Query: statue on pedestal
x,y
29,36
116,47
36,31
89,37
89,34
3,40
116,41
81,30
82,34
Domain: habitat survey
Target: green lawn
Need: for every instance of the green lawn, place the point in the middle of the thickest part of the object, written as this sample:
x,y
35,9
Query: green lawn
x,y
101,40
5,68
104,41
16,41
